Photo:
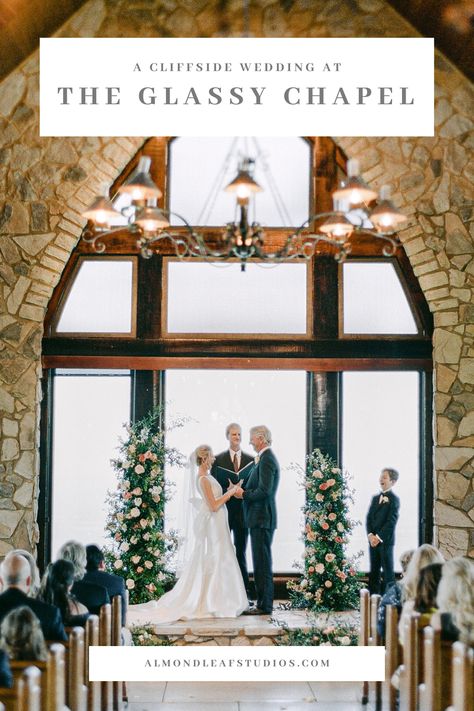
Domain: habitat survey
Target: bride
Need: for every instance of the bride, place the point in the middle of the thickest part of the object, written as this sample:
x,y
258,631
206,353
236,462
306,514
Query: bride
x,y
210,584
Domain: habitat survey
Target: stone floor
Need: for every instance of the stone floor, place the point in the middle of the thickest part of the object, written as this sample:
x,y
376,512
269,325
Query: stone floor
x,y
251,696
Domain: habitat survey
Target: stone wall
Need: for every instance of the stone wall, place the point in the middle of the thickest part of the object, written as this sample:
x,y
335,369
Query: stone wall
x,y
46,183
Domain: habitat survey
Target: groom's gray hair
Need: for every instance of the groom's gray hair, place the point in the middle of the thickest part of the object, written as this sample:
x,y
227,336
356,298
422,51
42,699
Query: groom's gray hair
x,y
263,431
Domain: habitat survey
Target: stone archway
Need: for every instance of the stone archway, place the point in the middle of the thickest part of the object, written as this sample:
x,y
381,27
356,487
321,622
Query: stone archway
x,y
47,182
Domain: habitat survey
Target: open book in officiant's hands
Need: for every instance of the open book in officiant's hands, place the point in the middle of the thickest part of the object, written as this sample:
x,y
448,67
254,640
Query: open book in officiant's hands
x,y
243,473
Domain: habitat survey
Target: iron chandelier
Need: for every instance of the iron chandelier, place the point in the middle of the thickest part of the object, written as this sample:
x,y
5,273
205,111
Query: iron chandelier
x,y
358,209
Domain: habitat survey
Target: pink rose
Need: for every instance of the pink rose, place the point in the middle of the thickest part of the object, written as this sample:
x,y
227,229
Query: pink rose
x,y
329,557
319,568
328,584
325,526
332,517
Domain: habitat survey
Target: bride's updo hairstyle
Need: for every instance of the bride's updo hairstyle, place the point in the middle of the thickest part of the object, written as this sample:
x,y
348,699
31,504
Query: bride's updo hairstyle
x,y
201,453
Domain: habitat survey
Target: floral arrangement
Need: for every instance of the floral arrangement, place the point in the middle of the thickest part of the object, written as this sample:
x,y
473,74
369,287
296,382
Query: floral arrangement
x,y
334,635
140,550
145,636
329,579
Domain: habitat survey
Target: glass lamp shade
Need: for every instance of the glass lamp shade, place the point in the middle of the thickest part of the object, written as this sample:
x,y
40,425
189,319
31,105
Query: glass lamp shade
x,y
101,211
353,190
243,185
140,186
151,219
385,217
337,227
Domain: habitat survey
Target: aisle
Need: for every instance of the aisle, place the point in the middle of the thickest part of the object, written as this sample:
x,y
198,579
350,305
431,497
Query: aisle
x,y
298,696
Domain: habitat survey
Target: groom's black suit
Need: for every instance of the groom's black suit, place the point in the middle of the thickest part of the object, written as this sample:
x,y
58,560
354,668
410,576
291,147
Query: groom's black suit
x,y
235,511
261,518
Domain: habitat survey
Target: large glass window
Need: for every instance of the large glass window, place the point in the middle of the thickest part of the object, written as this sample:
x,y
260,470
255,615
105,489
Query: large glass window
x,y
374,301
206,298
380,428
101,298
90,409
214,398
200,169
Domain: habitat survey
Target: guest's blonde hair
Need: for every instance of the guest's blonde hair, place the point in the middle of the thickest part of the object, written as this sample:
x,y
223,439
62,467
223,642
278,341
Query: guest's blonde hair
x,y
423,556
456,596
76,553
21,636
201,453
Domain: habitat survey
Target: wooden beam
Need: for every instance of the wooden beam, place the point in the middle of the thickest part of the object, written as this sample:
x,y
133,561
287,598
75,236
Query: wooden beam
x,y
180,363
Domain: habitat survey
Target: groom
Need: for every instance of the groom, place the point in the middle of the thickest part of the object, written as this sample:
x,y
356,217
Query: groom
x,y
261,517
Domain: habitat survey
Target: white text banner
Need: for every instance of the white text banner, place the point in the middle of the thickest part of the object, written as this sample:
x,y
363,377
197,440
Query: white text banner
x,y
236,87
237,664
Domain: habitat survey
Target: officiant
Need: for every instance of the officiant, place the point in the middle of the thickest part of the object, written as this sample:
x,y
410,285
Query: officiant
x,y
233,464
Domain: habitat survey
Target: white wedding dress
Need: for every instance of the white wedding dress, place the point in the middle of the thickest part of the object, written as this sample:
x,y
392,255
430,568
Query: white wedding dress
x,y
211,583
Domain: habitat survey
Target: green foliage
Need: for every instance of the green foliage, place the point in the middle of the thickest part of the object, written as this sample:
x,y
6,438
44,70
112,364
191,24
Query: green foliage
x,y
140,551
329,579
145,636
331,635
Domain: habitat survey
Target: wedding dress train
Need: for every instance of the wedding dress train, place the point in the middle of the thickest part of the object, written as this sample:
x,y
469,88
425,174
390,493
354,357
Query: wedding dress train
x,y
211,583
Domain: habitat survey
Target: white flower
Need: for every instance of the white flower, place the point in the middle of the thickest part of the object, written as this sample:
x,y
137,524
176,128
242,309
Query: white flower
x,y
345,640
133,540
120,517
139,469
135,559
130,584
148,564
137,491
126,484
118,564
143,522
340,527
137,502
125,547
135,513
146,536
132,449
335,470
161,576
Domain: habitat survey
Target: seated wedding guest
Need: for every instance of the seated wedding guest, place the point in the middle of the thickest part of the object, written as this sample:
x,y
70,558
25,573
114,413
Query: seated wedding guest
x,y
6,676
21,636
91,595
423,556
35,574
97,574
425,598
393,596
16,578
56,590
455,616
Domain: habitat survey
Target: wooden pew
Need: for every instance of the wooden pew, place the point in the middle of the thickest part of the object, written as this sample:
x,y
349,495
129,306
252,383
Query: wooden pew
x,y
374,641
435,690
76,689
26,693
29,692
364,631
117,686
93,687
53,677
393,656
410,671
462,678
105,640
